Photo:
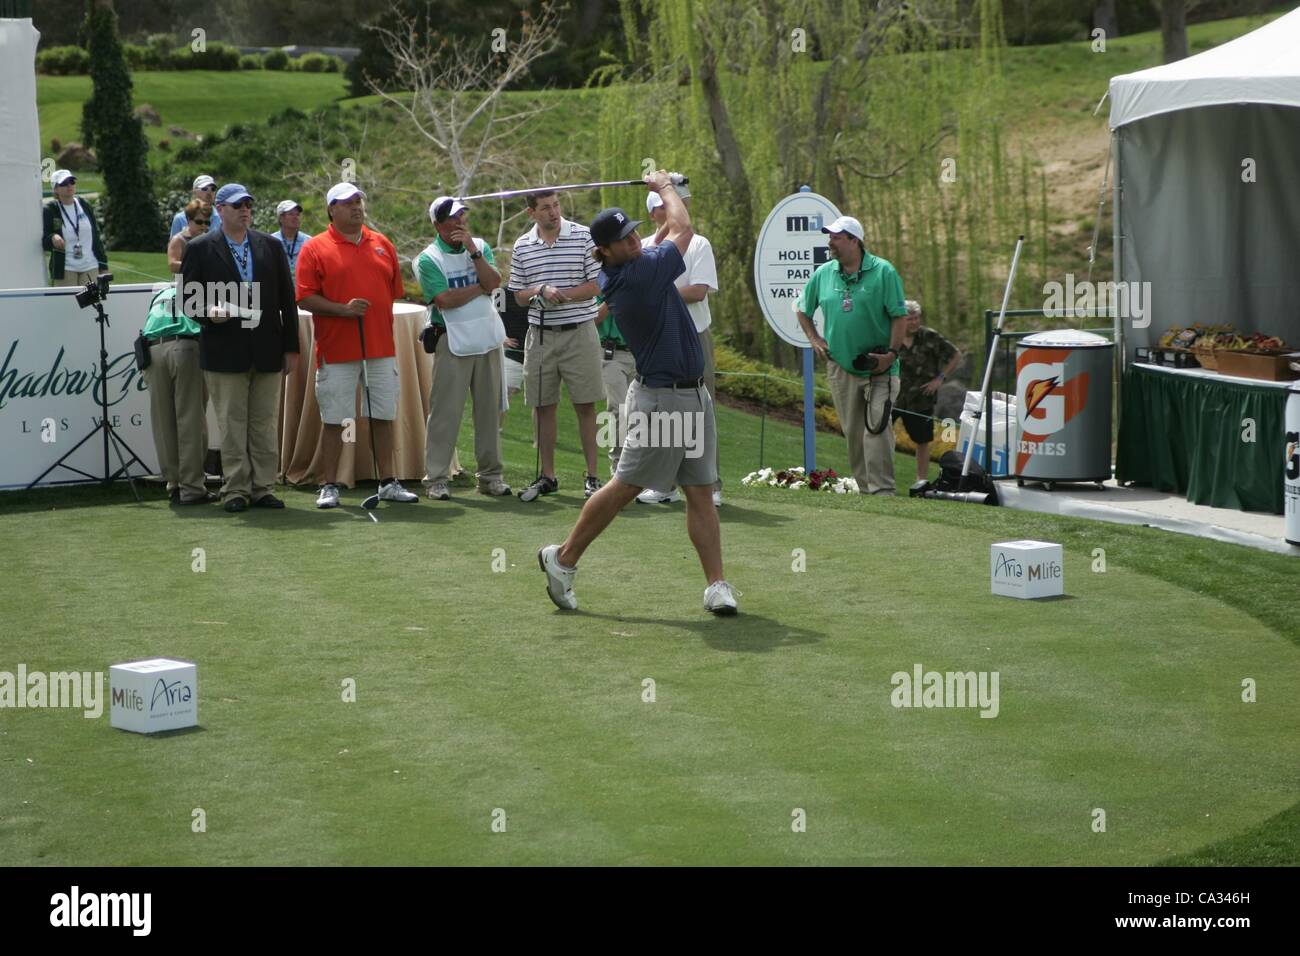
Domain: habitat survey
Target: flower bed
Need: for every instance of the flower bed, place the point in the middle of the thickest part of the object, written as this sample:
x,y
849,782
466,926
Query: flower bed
x,y
796,478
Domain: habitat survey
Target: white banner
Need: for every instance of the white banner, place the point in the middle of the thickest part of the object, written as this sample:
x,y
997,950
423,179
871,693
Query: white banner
x,y
791,245
50,384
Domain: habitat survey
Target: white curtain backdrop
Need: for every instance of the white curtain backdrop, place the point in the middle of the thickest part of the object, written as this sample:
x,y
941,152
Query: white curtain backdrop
x,y
22,261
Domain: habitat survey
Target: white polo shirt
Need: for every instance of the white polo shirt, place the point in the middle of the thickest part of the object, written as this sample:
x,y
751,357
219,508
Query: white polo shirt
x,y
700,270
565,264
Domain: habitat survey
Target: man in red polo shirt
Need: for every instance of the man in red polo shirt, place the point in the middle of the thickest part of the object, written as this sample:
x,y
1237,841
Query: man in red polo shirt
x,y
348,275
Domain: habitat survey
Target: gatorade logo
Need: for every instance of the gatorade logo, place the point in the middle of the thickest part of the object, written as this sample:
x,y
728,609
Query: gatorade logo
x,y
1049,400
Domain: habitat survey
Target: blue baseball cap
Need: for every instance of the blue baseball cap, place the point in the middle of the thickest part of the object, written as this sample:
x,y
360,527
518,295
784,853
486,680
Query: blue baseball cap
x,y
231,193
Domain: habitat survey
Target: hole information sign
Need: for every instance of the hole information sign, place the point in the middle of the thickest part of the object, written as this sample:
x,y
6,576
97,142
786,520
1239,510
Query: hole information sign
x,y
791,245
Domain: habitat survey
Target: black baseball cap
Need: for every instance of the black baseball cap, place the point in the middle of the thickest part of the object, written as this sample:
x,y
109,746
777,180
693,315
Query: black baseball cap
x,y
611,225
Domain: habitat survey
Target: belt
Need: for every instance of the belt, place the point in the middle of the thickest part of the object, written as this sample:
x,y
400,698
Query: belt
x,y
564,328
688,383
172,338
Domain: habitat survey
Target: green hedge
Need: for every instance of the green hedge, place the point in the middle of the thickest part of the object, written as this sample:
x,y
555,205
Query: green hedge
x,y
63,61
275,60
318,63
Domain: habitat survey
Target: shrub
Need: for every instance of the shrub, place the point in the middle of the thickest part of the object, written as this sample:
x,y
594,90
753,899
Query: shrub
x,y
63,61
163,43
217,56
275,60
318,63
250,61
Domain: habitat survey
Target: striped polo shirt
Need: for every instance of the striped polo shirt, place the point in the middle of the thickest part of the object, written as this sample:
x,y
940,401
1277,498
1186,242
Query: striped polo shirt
x,y
565,264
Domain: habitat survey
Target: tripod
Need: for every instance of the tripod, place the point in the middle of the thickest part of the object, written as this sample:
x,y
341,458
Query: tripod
x,y
111,437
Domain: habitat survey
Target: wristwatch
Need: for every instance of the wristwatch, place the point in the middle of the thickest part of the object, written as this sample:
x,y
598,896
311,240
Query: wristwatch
x,y
476,255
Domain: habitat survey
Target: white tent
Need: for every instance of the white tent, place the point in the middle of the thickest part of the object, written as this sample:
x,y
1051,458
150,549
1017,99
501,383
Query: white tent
x,y
22,262
1207,185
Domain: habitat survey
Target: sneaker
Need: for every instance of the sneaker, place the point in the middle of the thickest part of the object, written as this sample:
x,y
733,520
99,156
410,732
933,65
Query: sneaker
x,y
651,497
590,485
720,598
559,579
496,488
542,486
328,497
717,498
393,491
438,491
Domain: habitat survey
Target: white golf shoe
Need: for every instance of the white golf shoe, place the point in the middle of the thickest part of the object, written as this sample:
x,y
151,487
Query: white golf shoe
x,y
720,598
438,491
651,497
559,579
393,491
328,497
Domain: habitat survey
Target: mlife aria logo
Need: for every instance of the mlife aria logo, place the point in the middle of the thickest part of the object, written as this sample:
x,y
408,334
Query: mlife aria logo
x,y
1048,401
811,223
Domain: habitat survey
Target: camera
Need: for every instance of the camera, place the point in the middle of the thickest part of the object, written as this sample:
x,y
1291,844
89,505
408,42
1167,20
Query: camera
x,y
96,290
608,345
871,361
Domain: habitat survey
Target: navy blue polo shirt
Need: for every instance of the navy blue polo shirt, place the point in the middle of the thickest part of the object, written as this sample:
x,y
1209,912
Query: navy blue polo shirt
x,y
653,317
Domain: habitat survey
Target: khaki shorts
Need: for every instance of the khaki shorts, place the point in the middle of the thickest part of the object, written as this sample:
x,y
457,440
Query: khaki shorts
x,y
336,390
669,438
572,355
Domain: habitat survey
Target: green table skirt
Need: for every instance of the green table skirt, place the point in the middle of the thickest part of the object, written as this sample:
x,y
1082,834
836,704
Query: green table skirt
x,y
1184,434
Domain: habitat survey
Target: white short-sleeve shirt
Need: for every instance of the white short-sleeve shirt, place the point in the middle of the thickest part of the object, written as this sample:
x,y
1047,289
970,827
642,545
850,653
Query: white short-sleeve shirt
x,y
700,270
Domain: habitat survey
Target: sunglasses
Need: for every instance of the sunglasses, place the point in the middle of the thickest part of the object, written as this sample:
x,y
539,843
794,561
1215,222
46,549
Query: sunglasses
x,y
207,189
242,204
202,222
68,182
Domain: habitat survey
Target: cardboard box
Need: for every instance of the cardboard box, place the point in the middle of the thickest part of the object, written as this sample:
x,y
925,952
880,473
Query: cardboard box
x,y
1027,569
154,695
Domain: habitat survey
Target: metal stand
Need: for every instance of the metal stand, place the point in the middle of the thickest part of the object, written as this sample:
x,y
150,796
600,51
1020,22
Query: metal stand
x,y
110,435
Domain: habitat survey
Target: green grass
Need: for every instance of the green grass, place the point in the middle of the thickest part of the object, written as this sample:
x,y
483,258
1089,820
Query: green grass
x,y
200,101
473,693
139,266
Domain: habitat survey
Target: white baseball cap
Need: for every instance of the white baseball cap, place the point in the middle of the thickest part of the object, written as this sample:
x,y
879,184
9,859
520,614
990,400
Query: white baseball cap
x,y
61,176
287,205
455,208
847,224
204,181
652,201
342,192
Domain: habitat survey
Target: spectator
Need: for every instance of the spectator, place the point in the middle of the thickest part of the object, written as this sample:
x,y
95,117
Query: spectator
x,y
927,359
552,271
291,237
177,397
457,275
350,276
205,188
198,217
861,300
617,370
71,235
695,284
243,355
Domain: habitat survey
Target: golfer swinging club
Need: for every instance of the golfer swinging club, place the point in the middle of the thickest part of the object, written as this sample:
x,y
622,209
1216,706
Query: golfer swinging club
x,y
638,285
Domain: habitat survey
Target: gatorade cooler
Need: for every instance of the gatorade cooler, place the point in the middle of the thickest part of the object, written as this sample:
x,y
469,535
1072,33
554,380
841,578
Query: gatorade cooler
x,y
1063,397
1291,469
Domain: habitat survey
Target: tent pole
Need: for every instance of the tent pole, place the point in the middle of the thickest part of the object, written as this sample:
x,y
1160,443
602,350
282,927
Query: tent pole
x,y
1121,360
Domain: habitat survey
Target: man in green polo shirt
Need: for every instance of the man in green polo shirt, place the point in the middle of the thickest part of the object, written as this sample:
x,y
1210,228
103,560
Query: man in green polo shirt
x,y
457,275
863,312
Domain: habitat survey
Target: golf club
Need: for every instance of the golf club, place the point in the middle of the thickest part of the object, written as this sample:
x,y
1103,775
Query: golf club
x,y
677,178
537,427
373,501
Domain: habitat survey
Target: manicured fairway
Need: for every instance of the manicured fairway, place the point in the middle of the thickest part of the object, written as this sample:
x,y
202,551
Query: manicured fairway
x,y
474,694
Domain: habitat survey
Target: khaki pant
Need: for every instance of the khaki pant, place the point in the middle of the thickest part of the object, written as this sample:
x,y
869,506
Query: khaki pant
x,y
616,375
247,404
454,378
75,278
176,397
870,456
711,383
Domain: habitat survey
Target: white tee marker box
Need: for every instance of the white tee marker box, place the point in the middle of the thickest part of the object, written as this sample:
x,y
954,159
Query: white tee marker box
x,y
1027,569
155,695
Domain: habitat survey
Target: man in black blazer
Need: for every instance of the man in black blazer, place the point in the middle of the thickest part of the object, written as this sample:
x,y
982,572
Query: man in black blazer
x,y
237,286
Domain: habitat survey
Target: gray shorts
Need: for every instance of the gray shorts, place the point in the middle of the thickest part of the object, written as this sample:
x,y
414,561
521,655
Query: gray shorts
x,y
337,385
669,438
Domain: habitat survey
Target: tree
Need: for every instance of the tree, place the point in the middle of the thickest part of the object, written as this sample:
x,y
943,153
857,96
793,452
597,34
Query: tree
x,y
131,218
1173,29
452,90
1104,18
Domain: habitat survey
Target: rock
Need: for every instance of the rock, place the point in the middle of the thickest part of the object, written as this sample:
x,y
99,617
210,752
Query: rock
x,y
148,115
76,157
952,395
